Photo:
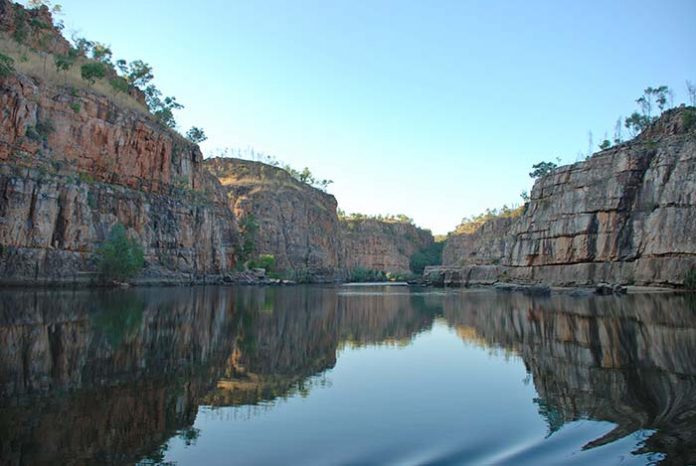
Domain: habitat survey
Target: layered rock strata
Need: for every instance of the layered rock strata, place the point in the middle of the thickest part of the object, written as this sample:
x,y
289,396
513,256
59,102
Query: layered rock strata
x,y
626,215
73,164
297,223
381,245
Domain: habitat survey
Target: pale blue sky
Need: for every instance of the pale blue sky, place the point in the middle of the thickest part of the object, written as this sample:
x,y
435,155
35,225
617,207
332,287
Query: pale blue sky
x,y
434,109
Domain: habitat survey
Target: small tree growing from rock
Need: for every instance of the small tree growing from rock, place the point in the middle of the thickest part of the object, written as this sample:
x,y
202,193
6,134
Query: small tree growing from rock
x,y
119,257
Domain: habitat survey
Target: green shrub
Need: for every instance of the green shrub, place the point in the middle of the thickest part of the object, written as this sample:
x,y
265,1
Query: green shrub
x,y
429,255
6,66
32,134
361,275
690,279
689,119
248,228
265,261
119,258
119,84
542,169
75,106
92,71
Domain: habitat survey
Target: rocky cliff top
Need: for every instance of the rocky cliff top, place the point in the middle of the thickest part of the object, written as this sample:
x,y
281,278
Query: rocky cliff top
x,y
242,174
34,25
625,215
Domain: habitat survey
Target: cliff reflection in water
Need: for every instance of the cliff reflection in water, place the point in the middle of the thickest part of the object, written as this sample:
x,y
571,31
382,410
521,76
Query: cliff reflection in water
x,y
111,376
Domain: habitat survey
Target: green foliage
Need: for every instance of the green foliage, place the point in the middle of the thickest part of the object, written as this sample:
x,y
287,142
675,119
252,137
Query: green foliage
x,y
690,279
689,119
119,258
265,261
161,109
75,106
101,53
654,96
306,176
362,275
605,144
86,178
637,123
38,24
119,84
429,255
137,73
6,66
387,218
41,131
64,62
92,71
21,31
248,228
473,223
196,135
542,169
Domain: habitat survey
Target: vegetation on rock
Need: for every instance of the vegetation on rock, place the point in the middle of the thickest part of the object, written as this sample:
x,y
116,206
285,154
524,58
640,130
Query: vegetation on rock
x,y
196,135
304,176
388,218
6,65
473,223
248,228
363,275
119,258
430,255
542,169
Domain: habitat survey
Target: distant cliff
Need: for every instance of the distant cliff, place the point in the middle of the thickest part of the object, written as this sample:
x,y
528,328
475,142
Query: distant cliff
x,y
626,215
381,245
299,226
297,223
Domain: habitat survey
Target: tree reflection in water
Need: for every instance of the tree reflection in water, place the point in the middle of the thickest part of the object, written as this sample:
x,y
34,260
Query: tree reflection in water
x,y
110,376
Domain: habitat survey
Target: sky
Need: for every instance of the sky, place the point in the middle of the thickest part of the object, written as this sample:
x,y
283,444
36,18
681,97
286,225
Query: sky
x,y
434,109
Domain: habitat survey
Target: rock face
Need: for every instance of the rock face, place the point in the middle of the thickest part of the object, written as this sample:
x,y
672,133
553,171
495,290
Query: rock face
x,y
484,246
34,26
381,245
297,223
73,164
627,215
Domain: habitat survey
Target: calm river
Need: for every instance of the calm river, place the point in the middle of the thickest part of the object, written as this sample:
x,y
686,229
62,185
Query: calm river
x,y
342,375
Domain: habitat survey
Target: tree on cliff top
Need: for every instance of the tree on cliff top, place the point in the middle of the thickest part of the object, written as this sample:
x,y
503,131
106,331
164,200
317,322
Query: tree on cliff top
x,y
119,257
196,135
161,109
542,169
92,71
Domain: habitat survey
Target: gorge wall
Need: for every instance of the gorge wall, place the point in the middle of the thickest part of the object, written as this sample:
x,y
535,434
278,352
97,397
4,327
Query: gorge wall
x,y
77,159
626,215
385,246
297,223
93,164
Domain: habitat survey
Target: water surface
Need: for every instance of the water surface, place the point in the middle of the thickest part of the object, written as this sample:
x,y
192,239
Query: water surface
x,y
339,375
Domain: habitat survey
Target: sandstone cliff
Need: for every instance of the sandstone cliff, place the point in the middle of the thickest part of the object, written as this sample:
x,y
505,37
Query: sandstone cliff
x,y
73,163
381,245
627,215
297,223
